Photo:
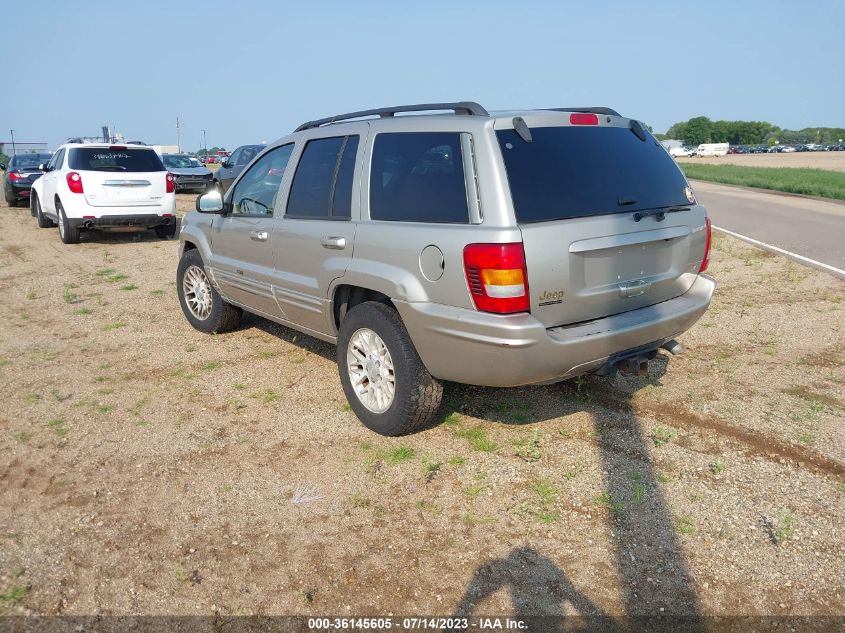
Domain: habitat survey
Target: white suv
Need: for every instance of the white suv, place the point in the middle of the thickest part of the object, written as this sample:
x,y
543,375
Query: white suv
x,y
104,187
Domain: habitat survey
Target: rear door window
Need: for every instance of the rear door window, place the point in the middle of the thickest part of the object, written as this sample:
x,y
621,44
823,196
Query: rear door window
x,y
322,185
418,177
577,171
119,160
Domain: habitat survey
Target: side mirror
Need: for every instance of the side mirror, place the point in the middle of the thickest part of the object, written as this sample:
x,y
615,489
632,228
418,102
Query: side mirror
x,y
226,164
2,166
211,202
42,167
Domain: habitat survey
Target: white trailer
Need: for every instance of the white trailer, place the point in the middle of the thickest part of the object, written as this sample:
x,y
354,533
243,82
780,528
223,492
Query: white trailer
x,y
712,149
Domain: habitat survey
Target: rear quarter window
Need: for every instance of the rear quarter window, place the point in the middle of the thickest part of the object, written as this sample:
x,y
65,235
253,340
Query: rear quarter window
x,y
122,160
418,177
578,171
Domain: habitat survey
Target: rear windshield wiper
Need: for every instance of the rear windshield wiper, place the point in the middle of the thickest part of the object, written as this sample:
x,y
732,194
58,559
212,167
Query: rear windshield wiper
x,y
111,168
659,214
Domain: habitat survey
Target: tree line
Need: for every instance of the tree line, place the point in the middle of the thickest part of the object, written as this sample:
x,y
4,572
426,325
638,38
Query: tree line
x,y
700,129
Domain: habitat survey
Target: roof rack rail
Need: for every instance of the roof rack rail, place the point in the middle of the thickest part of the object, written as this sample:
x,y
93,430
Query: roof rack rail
x,y
593,110
460,107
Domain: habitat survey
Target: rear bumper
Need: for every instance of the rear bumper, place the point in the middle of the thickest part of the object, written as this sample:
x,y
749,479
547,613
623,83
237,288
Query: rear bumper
x,y
141,221
507,351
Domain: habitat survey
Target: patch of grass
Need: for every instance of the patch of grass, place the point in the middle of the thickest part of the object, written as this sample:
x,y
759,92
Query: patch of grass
x,y
129,287
105,392
471,520
453,419
606,500
265,395
237,406
430,466
15,594
116,325
31,398
637,492
401,454
660,435
116,277
717,466
813,182
4,362
345,407
573,471
528,448
783,530
664,478
548,517
99,407
105,272
84,311
457,460
841,488
157,292
546,491
514,413
22,436
473,491
211,365
238,386
57,425
359,501
306,596
684,524
267,354
68,295
477,438
183,374
30,294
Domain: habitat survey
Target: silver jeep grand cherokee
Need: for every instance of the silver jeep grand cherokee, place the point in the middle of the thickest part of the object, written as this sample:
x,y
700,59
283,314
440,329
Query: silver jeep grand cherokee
x,y
491,249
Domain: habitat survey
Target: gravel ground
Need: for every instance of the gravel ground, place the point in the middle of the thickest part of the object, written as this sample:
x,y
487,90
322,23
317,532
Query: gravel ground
x,y
146,468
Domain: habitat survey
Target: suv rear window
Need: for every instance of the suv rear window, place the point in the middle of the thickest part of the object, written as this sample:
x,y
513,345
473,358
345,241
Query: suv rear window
x,y
418,177
569,172
122,160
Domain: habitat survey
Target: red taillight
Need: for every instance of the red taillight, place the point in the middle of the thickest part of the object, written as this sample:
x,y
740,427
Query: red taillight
x,y
706,260
497,277
583,118
74,182
117,147
170,184
14,176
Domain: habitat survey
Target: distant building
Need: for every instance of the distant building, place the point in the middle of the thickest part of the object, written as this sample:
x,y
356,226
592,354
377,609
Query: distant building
x,y
166,149
8,149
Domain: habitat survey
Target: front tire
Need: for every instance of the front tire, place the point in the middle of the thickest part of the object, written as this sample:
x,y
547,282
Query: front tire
x,y
67,233
383,377
202,305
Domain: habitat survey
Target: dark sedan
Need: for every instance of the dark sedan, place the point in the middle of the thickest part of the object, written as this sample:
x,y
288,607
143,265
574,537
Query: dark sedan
x,y
232,166
188,172
21,172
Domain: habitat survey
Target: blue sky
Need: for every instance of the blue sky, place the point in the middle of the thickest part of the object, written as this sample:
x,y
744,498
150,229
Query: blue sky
x,y
250,71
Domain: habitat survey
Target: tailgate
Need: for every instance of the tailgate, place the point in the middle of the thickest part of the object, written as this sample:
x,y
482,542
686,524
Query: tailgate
x,y
104,189
587,268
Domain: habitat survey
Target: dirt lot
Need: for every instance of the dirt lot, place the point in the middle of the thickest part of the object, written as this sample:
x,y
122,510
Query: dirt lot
x,y
834,161
146,468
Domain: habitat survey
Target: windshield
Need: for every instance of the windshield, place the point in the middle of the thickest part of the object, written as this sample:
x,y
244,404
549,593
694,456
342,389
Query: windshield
x,y
176,161
28,161
107,159
576,171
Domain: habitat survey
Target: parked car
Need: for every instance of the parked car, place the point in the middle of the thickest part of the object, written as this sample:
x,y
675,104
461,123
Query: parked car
x,y
190,174
234,164
89,187
712,149
678,152
467,247
21,172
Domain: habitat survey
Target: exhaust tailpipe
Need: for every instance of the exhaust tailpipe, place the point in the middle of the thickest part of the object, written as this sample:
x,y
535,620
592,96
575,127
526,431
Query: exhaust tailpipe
x,y
88,224
673,347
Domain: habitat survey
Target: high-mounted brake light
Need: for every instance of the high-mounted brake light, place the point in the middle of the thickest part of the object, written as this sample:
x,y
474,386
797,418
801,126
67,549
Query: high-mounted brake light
x,y
497,277
116,147
170,184
706,261
74,182
583,118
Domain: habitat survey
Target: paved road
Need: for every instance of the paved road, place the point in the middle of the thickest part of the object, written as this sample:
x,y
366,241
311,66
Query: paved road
x,y
803,227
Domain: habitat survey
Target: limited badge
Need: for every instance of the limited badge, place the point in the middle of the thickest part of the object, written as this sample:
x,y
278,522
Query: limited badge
x,y
689,194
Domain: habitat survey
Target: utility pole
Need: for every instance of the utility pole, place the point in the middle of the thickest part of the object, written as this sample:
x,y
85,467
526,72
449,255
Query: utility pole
x,y
178,141
204,144
13,142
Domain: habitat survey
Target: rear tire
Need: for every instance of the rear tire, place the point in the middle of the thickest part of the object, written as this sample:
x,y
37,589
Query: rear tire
x,y
202,305
43,221
67,233
416,394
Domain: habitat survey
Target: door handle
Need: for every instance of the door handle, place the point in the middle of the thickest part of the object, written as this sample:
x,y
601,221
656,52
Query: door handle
x,y
337,243
259,236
